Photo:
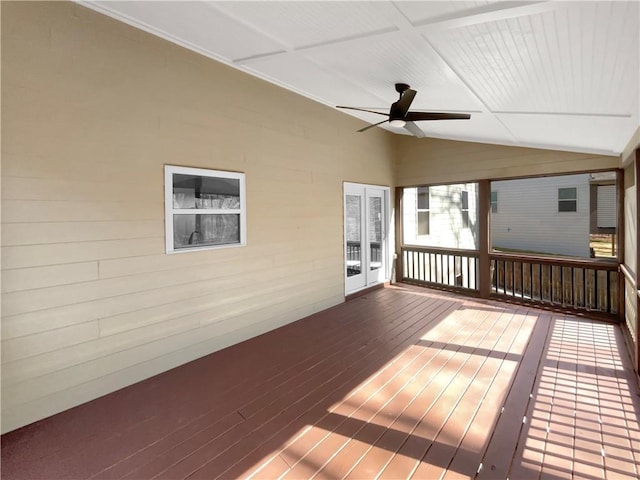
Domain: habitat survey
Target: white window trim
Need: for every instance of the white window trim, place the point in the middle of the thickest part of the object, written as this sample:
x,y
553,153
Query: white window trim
x,y
169,211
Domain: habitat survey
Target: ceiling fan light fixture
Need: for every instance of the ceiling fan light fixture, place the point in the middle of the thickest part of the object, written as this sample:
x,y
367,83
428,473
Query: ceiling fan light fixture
x,y
397,123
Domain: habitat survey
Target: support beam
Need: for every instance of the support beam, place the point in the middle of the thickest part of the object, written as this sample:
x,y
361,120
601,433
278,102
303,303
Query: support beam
x,y
620,242
399,266
484,240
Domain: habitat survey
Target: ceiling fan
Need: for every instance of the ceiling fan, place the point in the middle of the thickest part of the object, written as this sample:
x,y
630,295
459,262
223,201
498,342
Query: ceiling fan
x,y
400,116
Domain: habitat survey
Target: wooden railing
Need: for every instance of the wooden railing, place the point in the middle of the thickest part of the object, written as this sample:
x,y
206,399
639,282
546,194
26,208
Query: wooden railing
x,y
575,285
439,267
569,284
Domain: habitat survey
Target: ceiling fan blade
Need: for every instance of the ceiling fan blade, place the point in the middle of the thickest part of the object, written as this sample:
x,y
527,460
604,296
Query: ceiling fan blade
x,y
401,107
363,110
415,130
371,126
417,116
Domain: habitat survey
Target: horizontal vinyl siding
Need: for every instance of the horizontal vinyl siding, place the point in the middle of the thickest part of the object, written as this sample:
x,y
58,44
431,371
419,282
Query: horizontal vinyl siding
x,y
430,161
528,217
92,111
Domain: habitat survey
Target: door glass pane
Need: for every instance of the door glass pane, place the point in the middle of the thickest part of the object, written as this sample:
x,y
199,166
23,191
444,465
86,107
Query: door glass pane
x,y
354,220
375,232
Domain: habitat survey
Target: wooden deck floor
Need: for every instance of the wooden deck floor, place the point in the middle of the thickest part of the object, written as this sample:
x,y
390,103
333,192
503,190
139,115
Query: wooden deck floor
x,y
403,382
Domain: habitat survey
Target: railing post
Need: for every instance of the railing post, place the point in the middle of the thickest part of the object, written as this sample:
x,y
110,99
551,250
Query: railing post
x,y
620,234
399,240
484,241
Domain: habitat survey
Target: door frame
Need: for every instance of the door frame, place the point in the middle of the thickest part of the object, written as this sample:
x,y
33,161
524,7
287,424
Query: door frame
x,y
362,190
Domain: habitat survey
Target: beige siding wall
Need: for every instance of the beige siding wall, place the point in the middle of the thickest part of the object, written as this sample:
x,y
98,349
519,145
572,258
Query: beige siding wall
x,y
91,111
431,161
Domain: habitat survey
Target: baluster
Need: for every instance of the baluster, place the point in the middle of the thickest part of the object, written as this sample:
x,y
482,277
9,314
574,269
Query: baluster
x,y
413,267
468,261
584,287
608,292
561,292
531,281
405,263
540,281
595,289
574,302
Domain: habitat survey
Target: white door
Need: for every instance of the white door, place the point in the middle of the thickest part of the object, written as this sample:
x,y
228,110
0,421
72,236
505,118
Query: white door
x,y
365,235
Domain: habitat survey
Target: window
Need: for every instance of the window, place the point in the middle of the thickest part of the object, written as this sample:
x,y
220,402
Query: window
x,y
494,202
203,209
568,199
464,207
423,211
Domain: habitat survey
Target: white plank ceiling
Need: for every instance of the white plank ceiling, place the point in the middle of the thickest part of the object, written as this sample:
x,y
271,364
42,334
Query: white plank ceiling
x,y
559,75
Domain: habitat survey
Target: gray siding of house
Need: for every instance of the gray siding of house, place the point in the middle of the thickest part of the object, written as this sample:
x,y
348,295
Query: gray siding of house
x,y
528,217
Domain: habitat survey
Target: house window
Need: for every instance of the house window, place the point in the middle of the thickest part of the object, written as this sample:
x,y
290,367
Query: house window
x,y
568,199
494,202
203,209
423,211
465,208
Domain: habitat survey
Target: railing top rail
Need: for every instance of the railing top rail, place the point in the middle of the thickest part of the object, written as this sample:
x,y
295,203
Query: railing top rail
x,y
450,251
629,275
599,264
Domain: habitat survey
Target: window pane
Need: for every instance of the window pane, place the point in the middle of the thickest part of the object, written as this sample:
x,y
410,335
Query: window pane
x,y
423,223
354,246
494,202
202,230
375,232
567,206
567,194
465,200
195,191
465,219
423,198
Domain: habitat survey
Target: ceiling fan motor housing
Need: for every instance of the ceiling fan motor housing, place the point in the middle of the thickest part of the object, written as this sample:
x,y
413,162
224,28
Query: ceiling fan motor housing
x,y
401,87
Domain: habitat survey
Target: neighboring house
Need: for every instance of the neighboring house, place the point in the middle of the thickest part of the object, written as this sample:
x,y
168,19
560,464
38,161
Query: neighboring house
x,y
441,216
526,214
542,215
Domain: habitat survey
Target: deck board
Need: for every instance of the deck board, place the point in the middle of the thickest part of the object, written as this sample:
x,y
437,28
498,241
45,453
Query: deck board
x,y
402,382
